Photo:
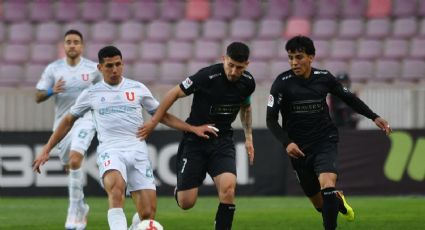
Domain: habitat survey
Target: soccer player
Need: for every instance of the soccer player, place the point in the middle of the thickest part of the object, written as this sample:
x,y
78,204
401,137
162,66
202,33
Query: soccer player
x,y
116,105
307,132
219,91
64,80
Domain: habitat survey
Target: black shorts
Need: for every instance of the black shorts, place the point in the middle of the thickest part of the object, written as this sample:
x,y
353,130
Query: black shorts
x,y
196,157
319,158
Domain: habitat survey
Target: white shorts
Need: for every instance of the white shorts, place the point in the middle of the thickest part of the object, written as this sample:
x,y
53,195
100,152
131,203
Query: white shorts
x,y
78,139
134,166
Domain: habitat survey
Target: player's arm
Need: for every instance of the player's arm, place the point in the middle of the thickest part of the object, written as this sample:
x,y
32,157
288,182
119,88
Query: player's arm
x,y
246,120
42,95
59,133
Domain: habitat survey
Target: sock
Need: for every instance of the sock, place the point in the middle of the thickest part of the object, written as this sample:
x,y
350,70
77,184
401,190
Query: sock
x,y
330,208
319,209
75,188
116,219
224,216
135,220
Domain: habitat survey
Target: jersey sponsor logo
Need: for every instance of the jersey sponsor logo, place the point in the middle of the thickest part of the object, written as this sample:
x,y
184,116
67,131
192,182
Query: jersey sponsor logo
x,y
307,106
286,77
320,72
85,76
247,76
116,109
224,109
187,83
214,75
270,102
129,96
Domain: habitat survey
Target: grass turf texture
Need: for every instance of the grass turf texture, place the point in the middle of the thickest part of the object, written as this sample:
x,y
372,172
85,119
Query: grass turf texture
x,y
296,213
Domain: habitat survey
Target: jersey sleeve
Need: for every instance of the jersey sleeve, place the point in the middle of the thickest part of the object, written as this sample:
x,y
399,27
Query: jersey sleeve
x,y
337,89
47,79
82,104
148,101
97,77
194,82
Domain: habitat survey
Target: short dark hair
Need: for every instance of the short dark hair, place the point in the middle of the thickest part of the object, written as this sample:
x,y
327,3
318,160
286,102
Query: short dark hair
x,y
238,51
76,32
108,51
301,44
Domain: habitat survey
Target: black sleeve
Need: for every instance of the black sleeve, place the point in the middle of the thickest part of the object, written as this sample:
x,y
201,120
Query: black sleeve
x,y
273,108
194,82
351,99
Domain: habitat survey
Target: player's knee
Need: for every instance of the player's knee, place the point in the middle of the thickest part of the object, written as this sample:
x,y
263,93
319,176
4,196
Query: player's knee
x,y
148,213
75,160
227,194
116,196
186,203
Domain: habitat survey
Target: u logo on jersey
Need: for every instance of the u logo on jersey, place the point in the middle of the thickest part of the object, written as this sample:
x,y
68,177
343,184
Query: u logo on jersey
x,y
85,76
129,96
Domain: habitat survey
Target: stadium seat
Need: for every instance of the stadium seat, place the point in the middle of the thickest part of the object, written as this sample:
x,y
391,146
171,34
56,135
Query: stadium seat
x,y
129,50
277,9
103,31
41,11
15,11
214,29
387,70
421,30
250,9
361,70
186,30
20,32
417,48
48,32
145,10
172,72
152,51
277,67
351,28
328,9
322,49
158,31
131,31
77,25
223,9
32,74
343,49
2,32
324,29
67,11
379,8
11,74
404,27
335,66
269,29
93,11
193,66
179,50
92,49
260,71
43,53
207,50
354,8
303,8
378,28
263,49
15,53
145,72
404,8
421,9
242,29
119,11
172,10
369,49
297,26
395,48
198,10
413,69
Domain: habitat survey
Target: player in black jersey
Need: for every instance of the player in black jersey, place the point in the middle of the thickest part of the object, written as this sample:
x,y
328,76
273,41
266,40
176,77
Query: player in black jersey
x,y
220,92
307,132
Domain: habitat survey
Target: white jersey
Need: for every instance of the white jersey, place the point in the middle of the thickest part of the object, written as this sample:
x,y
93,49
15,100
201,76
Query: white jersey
x,y
77,78
117,113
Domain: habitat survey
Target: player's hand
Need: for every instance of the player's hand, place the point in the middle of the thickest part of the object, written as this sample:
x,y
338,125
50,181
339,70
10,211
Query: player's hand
x,y
40,160
294,151
145,130
59,86
250,151
383,125
204,130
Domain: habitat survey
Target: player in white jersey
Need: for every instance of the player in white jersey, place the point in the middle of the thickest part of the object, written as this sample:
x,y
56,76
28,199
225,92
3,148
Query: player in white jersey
x,y
116,105
65,79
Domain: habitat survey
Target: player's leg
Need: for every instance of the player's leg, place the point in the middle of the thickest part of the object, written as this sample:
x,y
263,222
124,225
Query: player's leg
x,y
330,200
114,185
226,185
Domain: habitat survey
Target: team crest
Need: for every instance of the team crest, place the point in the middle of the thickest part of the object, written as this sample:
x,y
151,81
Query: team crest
x,y
270,101
187,83
129,96
85,76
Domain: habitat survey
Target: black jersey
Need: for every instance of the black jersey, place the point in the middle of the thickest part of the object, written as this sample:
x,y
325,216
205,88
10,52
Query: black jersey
x,y
217,100
302,104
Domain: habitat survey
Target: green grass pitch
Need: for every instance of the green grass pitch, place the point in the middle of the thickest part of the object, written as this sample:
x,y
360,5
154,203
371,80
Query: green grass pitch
x,y
287,213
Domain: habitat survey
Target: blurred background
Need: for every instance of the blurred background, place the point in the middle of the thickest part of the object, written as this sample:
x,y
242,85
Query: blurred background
x,y
378,44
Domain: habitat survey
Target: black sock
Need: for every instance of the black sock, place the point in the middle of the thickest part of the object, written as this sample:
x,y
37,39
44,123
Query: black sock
x,y
224,216
319,209
330,208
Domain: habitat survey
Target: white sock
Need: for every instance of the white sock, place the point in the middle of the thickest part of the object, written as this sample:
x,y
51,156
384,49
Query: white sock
x,y
136,220
116,219
75,188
